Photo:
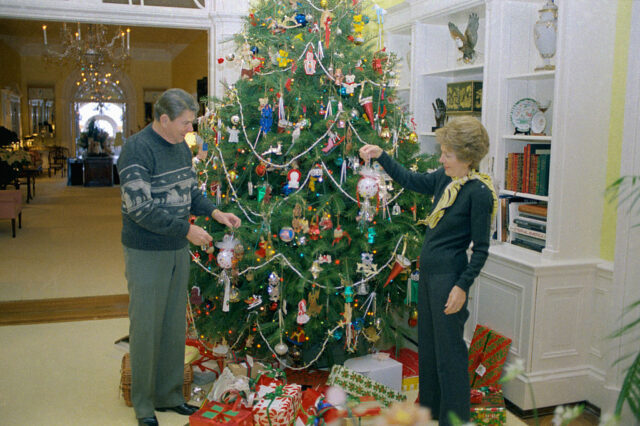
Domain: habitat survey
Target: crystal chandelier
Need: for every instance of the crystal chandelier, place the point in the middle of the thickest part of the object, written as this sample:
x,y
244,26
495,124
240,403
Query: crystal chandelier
x,y
96,56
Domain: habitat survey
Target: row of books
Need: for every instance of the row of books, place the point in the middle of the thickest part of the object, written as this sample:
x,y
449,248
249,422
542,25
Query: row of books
x,y
528,171
529,227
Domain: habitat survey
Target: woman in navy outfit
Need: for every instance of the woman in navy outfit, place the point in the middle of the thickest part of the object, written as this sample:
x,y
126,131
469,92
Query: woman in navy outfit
x,y
465,203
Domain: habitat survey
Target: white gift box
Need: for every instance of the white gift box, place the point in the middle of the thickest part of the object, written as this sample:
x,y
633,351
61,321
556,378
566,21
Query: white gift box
x,y
379,367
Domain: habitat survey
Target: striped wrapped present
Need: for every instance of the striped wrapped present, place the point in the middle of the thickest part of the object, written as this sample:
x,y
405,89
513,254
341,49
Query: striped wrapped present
x,y
487,354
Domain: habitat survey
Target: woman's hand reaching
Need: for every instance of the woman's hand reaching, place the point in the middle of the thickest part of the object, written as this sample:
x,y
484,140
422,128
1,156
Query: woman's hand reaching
x,y
370,152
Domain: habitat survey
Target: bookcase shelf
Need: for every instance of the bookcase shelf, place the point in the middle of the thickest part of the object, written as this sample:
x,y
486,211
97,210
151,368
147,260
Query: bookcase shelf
x,y
524,195
460,72
527,138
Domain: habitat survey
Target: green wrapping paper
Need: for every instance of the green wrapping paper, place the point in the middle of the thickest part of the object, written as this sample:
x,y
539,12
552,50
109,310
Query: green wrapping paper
x,y
358,385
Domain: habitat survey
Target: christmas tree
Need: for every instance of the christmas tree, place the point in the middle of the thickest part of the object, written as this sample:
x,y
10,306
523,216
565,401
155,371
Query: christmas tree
x,y
321,267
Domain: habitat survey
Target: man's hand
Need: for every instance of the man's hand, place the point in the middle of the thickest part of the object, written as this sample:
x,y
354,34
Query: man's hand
x,y
456,300
198,236
227,219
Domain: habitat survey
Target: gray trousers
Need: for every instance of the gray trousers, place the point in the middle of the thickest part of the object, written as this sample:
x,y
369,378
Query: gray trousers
x,y
442,352
157,282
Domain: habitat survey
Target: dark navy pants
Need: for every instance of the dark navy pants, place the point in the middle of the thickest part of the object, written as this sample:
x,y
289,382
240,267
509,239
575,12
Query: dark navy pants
x,y
442,352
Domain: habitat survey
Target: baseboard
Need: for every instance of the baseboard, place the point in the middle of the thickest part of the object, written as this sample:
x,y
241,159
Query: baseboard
x,y
63,309
589,409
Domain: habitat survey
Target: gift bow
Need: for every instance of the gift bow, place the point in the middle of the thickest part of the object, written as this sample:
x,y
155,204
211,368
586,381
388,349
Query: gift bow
x,y
277,392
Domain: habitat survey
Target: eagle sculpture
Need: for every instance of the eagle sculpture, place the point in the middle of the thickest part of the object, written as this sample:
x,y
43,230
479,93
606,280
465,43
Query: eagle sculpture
x,y
466,42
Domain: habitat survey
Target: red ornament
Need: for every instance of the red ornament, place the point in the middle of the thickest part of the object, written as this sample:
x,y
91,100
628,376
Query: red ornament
x,y
273,306
220,60
401,263
261,169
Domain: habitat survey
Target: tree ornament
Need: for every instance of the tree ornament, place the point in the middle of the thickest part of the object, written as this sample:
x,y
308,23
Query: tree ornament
x,y
401,264
315,176
233,135
314,308
396,210
235,119
367,104
234,295
413,137
368,188
309,63
196,296
349,84
413,317
274,287
302,19
286,234
315,269
261,169
281,348
225,261
371,235
293,178
231,57
314,229
337,334
338,234
266,119
302,318
326,223
348,294
324,3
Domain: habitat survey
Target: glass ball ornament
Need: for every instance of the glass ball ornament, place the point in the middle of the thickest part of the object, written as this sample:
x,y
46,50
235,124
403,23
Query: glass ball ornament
x,y
413,317
368,183
355,114
301,19
286,234
324,3
281,348
309,18
413,137
235,119
225,259
234,295
230,57
337,334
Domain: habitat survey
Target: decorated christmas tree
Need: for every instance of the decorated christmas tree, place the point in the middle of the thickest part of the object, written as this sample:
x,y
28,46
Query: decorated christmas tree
x,y
323,266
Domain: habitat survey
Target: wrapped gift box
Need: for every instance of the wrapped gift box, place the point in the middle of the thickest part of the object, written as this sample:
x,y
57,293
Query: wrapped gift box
x,y
379,367
409,360
490,410
356,384
217,413
277,405
487,354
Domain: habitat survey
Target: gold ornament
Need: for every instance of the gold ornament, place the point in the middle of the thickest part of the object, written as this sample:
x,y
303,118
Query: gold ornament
x,y
413,137
324,3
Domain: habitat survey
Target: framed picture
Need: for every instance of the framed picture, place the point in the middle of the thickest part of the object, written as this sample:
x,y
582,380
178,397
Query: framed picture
x,y
149,98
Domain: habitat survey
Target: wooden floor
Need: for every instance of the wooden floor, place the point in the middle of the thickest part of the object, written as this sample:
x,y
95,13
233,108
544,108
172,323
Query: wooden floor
x,y
60,310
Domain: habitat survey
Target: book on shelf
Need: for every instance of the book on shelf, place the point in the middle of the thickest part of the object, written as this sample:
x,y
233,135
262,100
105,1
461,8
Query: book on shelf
x,y
528,172
520,230
527,244
535,210
528,241
531,223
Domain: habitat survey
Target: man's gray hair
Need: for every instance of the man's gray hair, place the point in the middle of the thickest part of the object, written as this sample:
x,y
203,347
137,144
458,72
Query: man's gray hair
x,y
174,102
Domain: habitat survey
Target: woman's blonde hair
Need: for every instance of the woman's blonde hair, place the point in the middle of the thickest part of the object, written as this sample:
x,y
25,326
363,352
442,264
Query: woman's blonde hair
x,y
467,138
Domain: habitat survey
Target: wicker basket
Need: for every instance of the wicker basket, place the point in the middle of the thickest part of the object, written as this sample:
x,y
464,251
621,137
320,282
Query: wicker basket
x,y
125,380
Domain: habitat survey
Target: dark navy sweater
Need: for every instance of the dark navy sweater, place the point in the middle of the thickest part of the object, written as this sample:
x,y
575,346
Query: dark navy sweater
x,y
444,249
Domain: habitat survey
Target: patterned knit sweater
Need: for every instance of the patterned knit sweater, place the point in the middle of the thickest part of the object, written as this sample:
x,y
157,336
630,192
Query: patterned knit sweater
x,y
159,192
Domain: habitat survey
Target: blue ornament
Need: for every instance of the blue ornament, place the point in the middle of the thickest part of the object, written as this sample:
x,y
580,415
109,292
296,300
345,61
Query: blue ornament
x,y
358,324
343,91
255,50
339,161
286,190
337,334
266,119
365,19
301,19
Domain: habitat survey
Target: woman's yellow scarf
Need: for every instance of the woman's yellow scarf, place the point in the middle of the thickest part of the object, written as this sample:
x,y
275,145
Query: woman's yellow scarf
x,y
450,194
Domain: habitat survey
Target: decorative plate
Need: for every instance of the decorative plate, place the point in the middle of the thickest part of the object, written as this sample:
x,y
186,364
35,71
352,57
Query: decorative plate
x,y
522,113
538,122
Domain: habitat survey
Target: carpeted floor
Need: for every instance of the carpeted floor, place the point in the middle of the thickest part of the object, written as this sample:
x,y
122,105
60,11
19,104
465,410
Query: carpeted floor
x,y
67,373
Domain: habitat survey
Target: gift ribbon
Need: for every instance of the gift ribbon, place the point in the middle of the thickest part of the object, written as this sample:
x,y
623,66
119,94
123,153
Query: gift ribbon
x,y
277,393
218,410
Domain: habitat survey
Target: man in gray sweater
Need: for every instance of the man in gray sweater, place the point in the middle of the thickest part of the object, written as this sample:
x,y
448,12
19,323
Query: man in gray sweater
x,y
159,191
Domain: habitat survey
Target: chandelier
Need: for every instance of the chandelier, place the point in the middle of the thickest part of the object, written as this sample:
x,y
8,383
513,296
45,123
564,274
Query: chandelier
x,y
94,54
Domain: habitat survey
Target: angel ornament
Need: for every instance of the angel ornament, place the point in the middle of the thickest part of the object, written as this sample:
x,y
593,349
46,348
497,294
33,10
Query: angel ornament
x,y
466,42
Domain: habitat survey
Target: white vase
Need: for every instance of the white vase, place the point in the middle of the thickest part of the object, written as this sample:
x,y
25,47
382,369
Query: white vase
x,y
545,32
